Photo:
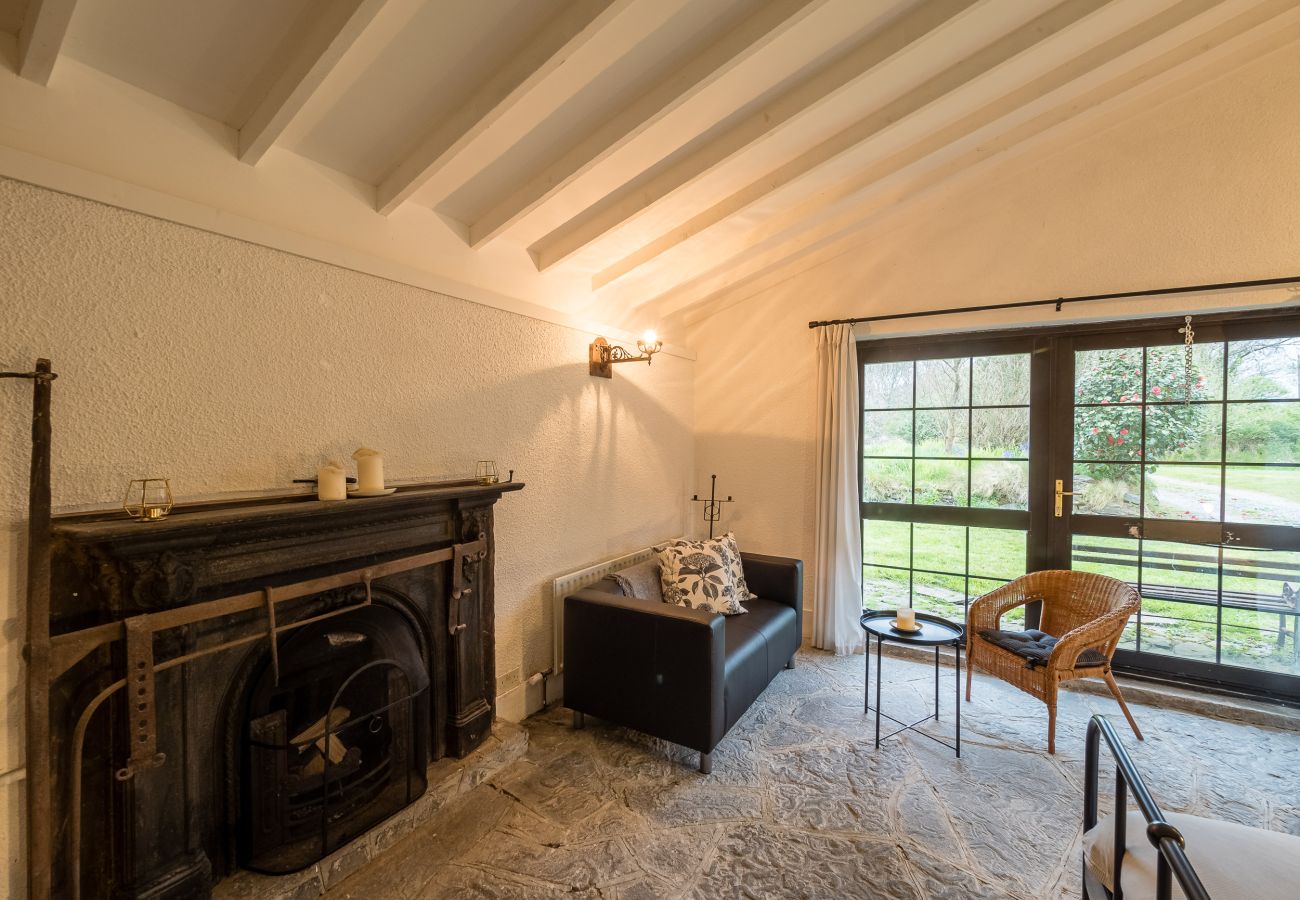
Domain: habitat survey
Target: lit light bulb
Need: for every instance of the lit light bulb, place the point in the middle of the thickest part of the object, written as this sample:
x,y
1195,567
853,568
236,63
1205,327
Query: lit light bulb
x,y
649,338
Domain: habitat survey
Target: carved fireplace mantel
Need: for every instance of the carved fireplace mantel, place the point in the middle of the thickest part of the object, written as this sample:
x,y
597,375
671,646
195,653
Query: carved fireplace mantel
x,y
168,625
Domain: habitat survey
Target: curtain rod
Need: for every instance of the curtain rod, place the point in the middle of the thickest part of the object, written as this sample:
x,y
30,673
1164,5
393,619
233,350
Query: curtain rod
x,y
1060,301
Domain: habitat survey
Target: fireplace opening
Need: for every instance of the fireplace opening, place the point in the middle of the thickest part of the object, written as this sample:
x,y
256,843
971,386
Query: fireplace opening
x,y
335,745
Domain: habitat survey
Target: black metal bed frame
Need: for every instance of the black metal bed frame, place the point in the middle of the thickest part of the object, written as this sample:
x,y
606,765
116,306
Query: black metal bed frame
x,y
1168,840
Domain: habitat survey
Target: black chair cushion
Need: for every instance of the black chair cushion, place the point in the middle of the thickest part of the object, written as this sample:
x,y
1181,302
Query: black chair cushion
x,y
758,644
1035,647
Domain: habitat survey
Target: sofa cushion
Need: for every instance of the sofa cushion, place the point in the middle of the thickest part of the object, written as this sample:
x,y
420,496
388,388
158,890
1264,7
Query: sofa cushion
x,y
1234,862
735,565
697,575
757,645
640,581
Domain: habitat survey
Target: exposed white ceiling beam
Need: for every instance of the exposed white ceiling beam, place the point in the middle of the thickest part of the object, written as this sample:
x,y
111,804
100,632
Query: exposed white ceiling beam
x,y
1149,37
977,65
1260,30
39,41
846,72
738,45
328,30
581,23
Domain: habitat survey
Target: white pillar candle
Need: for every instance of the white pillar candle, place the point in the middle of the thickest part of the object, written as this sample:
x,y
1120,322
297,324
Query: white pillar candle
x,y
370,469
331,483
907,618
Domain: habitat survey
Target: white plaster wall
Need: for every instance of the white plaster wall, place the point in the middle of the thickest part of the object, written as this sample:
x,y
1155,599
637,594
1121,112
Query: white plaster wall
x,y
1206,189
228,366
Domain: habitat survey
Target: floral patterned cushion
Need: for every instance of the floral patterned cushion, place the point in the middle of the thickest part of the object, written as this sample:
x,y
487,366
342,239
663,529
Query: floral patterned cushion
x,y
698,575
728,540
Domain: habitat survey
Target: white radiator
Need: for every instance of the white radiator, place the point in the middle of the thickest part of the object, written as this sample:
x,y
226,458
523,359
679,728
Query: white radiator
x,y
565,585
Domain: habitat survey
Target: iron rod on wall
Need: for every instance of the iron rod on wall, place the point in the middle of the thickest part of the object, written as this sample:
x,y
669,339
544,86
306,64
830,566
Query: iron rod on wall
x,y
1061,301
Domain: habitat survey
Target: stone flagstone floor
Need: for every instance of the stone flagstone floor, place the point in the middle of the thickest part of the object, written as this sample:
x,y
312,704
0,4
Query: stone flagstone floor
x,y
800,804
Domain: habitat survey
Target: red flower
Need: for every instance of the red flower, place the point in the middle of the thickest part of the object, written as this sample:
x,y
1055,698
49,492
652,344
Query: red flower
x,y
1123,431
1120,441
1156,391
1095,429
1123,399
1110,438
1105,403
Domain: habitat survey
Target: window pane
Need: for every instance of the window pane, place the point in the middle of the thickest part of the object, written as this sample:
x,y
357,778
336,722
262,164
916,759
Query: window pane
x,y
886,543
1179,629
941,482
1001,380
1264,432
1108,432
1259,640
1182,572
887,385
997,553
884,588
1191,433
1207,372
943,595
887,480
1108,376
887,433
1190,493
942,432
1264,494
1000,433
1166,375
1116,557
1000,484
939,548
1265,369
943,382
1107,489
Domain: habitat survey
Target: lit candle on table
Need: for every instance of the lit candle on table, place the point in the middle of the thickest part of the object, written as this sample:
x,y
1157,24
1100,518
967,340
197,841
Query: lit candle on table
x,y
370,469
331,483
907,619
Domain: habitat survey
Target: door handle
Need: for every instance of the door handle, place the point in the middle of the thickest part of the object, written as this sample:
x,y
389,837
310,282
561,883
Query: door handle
x,y
1061,492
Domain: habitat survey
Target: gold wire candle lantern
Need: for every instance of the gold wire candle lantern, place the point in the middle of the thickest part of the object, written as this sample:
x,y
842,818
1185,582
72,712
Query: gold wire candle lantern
x,y
486,472
148,499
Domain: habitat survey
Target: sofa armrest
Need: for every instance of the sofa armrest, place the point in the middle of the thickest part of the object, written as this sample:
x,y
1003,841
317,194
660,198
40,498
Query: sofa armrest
x,y
654,667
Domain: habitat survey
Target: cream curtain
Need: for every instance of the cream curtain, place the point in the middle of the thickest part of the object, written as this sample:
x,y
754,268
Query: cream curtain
x,y
837,553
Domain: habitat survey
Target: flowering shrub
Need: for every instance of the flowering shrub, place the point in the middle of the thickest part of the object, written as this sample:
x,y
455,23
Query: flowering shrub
x,y
1112,432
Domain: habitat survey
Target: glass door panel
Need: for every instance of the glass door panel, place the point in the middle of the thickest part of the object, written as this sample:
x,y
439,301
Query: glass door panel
x,y
945,478
1186,480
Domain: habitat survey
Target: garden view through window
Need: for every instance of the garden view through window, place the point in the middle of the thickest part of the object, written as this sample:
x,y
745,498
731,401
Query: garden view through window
x,y
1184,469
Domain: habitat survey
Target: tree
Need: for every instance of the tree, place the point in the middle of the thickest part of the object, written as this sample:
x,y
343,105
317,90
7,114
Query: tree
x,y
1112,431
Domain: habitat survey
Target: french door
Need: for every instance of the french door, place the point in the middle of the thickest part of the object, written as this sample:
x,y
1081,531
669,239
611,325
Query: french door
x,y
1112,450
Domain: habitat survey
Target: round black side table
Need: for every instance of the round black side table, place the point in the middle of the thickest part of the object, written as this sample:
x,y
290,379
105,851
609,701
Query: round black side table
x,y
935,632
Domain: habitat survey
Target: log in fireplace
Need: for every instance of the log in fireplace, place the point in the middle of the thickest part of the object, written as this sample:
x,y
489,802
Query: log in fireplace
x,y
256,683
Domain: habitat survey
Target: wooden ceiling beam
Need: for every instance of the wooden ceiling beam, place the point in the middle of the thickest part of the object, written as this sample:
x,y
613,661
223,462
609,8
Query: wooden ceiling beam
x,y
853,138
1144,38
844,74
1259,30
580,24
327,31
734,48
40,39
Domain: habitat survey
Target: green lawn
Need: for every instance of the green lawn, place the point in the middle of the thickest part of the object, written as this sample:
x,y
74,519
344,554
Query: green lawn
x,y
1184,629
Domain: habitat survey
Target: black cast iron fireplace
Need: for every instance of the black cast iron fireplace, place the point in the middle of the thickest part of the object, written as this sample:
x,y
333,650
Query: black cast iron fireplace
x,y
335,744
256,683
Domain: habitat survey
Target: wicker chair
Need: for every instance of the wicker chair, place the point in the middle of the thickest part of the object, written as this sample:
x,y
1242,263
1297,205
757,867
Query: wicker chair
x,y
1086,611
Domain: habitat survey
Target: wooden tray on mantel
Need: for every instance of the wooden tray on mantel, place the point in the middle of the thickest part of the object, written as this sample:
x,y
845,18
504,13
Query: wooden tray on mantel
x,y
220,510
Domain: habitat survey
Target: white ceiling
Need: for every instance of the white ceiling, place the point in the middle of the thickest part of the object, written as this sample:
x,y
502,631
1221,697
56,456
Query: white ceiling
x,y
657,149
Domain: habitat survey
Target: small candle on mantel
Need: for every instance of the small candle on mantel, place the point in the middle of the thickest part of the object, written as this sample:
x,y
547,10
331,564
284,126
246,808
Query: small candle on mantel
x,y
331,483
370,469
907,619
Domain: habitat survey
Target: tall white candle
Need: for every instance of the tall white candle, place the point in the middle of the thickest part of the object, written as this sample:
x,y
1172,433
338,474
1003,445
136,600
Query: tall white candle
x,y
331,483
370,469
907,618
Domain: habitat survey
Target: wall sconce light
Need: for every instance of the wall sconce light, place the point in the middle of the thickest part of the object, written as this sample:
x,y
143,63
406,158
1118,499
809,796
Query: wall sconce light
x,y
604,355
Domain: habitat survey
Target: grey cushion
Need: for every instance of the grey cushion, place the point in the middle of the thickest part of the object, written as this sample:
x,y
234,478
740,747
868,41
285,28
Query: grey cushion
x,y
1234,862
1035,646
641,581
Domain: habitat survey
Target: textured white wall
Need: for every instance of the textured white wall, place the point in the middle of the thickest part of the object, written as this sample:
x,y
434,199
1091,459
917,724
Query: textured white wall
x,y
1207,189
228,366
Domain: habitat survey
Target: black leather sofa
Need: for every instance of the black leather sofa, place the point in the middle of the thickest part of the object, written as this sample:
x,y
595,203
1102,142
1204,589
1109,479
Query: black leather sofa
x,y
680,674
